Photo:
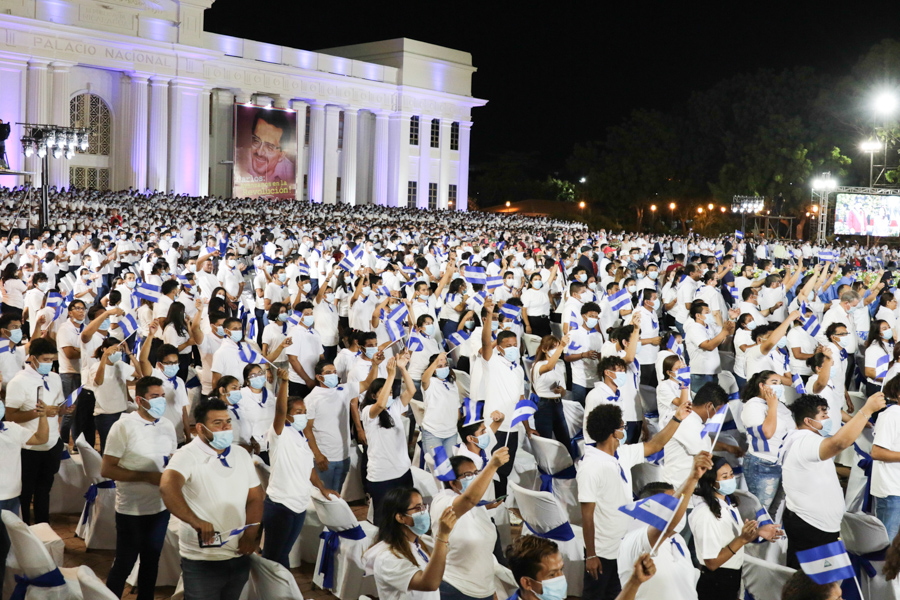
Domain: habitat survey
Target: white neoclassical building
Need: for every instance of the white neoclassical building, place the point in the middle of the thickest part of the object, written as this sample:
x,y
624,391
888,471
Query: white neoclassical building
x,y
385,122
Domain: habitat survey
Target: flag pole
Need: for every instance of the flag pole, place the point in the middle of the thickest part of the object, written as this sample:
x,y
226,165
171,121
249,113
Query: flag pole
x,y
858,588
727,408
662,534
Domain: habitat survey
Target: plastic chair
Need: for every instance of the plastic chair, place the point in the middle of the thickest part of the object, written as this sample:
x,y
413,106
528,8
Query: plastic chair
x,y
270,581
464,382
349,580
97,525
33,560
542,513
69,485
764,580
865,535
557,472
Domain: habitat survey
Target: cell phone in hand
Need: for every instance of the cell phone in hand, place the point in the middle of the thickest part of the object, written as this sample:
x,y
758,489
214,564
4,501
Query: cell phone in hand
x,y
501,498
216,543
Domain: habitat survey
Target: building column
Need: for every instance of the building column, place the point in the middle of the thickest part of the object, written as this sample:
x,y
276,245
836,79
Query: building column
x,y
444,166
37,109
348,157
158,134
424,175
380,149
139,130
363,157
221,179
59,115
204,171
13,82
398,158
462,189
329,187
184,145
302,167
316,150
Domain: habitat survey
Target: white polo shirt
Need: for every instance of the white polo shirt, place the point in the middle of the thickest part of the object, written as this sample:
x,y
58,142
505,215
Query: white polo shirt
x,y
470,560
69,336
328,410
292,464
711,534
584,371
227,359
307,347
605,480
21,394
112,396
811,484
215,493
683,447
207,349
504,385
442,404
703,362
388,457
140,445
886,476
13,437
647,353
675,578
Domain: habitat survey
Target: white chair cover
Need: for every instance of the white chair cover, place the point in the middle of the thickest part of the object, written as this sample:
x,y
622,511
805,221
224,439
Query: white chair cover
x,y
574,414
169,560
425,483
525,471
262,470
532,343
69,486
353,489
97,524
349,573
52,542
857,482
464,382
774,552
543,513
644,473
418,410
32,558
864,534
554,458
91,586
270,581
763,579
504,582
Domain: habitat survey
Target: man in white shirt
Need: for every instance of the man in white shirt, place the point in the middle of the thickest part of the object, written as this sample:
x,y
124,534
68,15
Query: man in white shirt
x,y
886,465
843,312
212,487
68,339
813,493
583,351
649,336
686,291
305,351
703,341
138,448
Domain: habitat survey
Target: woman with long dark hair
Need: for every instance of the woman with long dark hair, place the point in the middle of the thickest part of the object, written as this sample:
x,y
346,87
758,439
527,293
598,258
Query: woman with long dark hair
x,y
13,289
548,376
879,348
177,331
405,567
442,402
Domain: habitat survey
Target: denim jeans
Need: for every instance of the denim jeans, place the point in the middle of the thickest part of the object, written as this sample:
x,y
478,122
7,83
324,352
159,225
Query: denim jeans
x,y
550,422
742,383
12,505
888,512
138,535
215,579
282,527
763,479
579,393
379,489
39,468
606,586
698,381
104,423
333,477
431,441
448,592
70,383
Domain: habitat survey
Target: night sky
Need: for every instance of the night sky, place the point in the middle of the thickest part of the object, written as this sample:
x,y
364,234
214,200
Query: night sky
x,y
562,74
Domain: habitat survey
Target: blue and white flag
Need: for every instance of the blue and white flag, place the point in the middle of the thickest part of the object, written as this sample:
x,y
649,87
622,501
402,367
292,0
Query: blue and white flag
x,y
249,355
511,311
620,300
443,470
475,275
350,258
70,400
303,269
826,564
673,346
479,298
147,291
881,366
719,254
738,234
684,376
492,283
415,342
656,511
798,384
714,424
457,338
473,411
524,409
383,291
128,324
826,256
395,329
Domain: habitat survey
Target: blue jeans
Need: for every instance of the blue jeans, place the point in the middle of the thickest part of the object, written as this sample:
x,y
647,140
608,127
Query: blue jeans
x,y
12,505
70,383
448,592
138,535
888,512
282,527
763,479
550,422
579,393
104,423
698,381
215,579
431,441
379,489
742,383
334,476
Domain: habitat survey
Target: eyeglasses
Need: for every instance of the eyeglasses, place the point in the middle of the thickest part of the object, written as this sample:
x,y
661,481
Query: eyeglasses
x,y
416,509
468,474
269,148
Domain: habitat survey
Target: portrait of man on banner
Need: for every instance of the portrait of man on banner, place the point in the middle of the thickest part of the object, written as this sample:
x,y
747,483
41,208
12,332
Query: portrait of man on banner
x,y
265,153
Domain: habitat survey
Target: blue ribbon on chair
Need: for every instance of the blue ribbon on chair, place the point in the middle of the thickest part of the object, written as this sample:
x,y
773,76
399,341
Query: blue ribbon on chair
x,y
49,579
561,533
861,562
547,478
330,549
573,443
91,497
865,463
65,454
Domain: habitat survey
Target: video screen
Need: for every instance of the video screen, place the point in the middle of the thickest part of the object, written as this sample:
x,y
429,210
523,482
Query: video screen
x,y
864,214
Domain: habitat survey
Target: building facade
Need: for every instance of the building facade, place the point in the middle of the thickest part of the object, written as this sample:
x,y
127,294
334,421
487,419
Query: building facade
x,y
384,122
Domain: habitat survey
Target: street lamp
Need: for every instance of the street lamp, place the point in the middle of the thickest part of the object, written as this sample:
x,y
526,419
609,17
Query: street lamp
x,y
871,147
581,204
507,204
710,206
885,103
652,208
815,208
582,180
700,210
722,208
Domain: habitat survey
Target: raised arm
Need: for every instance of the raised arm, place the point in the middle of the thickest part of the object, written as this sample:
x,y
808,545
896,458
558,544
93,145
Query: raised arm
x,y
487,349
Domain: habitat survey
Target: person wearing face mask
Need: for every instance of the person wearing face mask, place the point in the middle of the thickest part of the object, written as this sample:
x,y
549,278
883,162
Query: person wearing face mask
x,y
114,370
548,377
675,575
702,342
771,350
177,401
801,587
536,302
12,359
750,305
720,535
363,303
671,393
825,371
583,351
305,351
570,314
604,484
469,572
887,311
138,447
34,300
388,458
212,487
648,310
879,349
768,421
325,313
227,359
842,312
772,295
442,402
815,499
329,412
743,340
277,290
423,345
231,277
406,563
40,461
208,342
686,291
292,478
507,290
228,390
538,569
885,476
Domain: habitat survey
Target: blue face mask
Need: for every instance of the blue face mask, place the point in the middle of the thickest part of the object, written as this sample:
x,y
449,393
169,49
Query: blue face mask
x,y
308,320
751,325
429,329
220,331
782,343
170,371
258,381
656,305
511,354
483,440
157,406
234,397
590,322
537,284
330,380
466,481
778,389
371,351
221,439
15,335
554,589
829,427
442,372
886,334
44,368
115,357
390,401
299,422
283,317
621,379
470,324
421,522
104,326
237,336
130,284
495,325
727,486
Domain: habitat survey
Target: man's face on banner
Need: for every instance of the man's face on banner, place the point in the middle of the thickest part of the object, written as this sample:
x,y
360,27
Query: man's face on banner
x,y
265,147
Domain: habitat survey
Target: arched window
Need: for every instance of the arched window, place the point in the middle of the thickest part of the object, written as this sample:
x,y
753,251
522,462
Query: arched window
x,y
90,168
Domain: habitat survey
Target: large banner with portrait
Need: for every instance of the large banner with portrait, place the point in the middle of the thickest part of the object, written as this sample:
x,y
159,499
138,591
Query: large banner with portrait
x,y
265,153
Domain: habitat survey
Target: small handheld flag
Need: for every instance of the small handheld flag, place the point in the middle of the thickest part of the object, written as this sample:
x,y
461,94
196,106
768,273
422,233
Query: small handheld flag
x,y
492,283
738,234
128,324
826,564
473,411
656,511
443,470
684,376
147,291
524,409
620,300
475,275
714,425
798,384
511,311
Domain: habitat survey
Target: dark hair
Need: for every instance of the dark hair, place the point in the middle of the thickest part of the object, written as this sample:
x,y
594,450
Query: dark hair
x,y
801,587
205,406
590,307
215,316
223,382
145,383
603,421
390,530
451,378
248,368
526,554
175,317
875,334
466,430
168,286
42,346
274,311
832,329
697,307
9,272
815,361
166,350
8,317
655,487
504,335
385,420
610,363
892,389
807,406
108,342
457,463
710,392
669,362
277,119
706,488
751,390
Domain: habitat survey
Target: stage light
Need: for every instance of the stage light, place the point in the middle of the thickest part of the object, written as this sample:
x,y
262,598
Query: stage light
x,y
57,152
507,204
84,142
870,146
885,103
51,139
41,151
29,149
70,153
815,208
73,141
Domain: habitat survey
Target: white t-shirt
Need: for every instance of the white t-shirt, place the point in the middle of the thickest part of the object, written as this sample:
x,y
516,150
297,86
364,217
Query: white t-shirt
x,y
292,463
393,573
329,411
388,457
797,337
112,396
140,445
753,415
13,438
605,480
703,362
544,383
442,404
504,385
470,559
675,578
874,353
584,371
21,394
711,534
886,476
216,493
685,444
68,336
647,353
811,484
307,347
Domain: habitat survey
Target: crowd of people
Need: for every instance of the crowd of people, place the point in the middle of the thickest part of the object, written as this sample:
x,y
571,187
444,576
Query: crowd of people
x,y
190,339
